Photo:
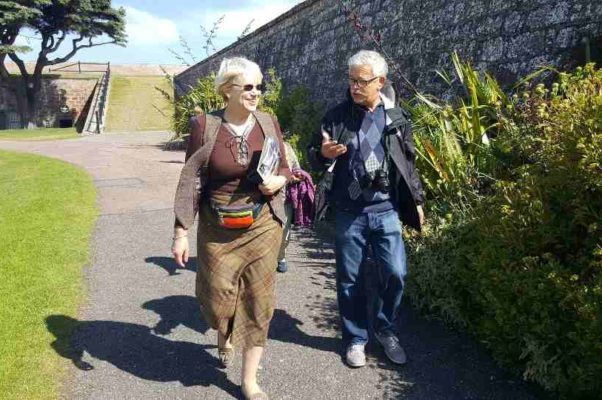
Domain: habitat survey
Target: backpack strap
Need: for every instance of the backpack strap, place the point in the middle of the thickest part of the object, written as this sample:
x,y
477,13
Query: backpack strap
x,y
193,172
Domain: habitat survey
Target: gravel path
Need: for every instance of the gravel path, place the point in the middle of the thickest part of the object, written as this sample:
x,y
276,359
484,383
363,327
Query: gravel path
x,y
139,334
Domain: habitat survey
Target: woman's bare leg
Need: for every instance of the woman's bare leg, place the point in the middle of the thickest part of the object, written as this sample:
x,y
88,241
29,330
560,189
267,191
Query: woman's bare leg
x,y
250,363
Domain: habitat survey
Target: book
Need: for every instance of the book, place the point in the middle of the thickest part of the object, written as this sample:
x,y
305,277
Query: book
x,y
269,161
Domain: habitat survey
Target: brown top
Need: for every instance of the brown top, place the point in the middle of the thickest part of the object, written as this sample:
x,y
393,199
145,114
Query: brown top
x,y
226,176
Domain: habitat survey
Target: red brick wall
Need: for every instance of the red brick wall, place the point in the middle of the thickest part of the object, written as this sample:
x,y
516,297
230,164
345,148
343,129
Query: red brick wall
x,y
74,93
56,92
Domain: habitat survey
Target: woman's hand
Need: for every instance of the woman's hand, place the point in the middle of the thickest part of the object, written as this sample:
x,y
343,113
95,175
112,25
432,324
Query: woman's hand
x,y
180,248
273,184
295,177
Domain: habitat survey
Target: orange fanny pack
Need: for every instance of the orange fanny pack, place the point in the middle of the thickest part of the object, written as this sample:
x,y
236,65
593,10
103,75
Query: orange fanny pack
x,y
237,217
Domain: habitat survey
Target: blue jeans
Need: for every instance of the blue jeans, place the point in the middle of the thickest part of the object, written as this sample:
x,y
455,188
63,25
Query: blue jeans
x,y
354,233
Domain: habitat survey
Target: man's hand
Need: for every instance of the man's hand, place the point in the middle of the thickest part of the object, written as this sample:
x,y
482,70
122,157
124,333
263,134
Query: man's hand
x,y
421,217
180,250
330,149
273,184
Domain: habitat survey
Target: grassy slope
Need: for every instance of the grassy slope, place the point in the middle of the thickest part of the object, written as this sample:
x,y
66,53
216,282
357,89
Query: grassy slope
x,y
38,134
132,103
47,212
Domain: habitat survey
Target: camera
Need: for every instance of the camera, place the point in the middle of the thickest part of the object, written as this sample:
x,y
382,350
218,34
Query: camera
x,y
381,181
378,182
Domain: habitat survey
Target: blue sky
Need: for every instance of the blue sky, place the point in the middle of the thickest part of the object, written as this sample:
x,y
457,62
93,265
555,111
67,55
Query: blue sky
x,y
155,26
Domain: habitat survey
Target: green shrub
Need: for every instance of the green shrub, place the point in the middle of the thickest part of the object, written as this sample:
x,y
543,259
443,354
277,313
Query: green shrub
x,y
270,101
301,117
453,139
522,267
200,98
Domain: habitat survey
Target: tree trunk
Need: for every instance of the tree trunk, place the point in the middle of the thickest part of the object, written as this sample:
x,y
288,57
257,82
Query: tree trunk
x,y
29,120
27,101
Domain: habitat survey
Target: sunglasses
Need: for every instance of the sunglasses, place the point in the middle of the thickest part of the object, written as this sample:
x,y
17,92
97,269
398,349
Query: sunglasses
x,y
247,88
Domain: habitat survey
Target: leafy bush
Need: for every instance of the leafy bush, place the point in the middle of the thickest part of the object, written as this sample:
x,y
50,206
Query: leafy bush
x,y
301,117
200,98
453,139
270,101
522,266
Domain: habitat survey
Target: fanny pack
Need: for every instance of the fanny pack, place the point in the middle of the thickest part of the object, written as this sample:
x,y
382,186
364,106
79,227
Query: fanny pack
x,y
237,217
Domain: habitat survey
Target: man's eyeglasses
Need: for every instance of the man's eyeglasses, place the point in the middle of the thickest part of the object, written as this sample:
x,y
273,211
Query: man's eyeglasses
x,y
362,83
249,87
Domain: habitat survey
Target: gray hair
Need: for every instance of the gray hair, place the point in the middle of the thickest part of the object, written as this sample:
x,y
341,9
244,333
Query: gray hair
x,y
230,69
371,58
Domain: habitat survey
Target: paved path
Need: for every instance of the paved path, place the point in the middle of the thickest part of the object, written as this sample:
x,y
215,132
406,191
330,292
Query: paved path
x,y
140,336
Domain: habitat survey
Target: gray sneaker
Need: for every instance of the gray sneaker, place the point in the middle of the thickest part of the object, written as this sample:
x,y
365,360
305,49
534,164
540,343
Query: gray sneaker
x,y
356,356
392,348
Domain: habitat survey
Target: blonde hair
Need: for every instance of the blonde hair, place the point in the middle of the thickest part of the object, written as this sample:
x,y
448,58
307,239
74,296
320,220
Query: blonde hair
x,y
230,69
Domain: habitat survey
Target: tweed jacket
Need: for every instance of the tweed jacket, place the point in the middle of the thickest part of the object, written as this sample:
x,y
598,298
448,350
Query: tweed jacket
x,y
190,186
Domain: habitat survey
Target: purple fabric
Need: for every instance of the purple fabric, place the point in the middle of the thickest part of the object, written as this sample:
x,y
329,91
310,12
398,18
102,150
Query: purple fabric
x,y
301,195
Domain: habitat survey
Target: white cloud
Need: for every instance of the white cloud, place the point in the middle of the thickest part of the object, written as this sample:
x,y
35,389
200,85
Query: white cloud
x,y
235,20
145,29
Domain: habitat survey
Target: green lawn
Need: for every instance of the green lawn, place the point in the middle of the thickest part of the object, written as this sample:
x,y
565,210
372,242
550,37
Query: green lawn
x,y
47,212
38,134
132,103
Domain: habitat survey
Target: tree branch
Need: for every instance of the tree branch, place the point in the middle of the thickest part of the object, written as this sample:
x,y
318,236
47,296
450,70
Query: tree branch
x,y
51,44
44,48
76,48
58,43
20,64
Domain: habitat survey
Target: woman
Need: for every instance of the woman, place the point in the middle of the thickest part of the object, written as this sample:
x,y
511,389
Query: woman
x,y
240,217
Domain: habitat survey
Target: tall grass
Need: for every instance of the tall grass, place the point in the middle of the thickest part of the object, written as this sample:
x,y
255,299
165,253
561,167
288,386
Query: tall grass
x,y
453,139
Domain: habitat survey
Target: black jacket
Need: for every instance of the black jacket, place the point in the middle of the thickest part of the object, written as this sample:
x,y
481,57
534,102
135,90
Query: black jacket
x,y
342,123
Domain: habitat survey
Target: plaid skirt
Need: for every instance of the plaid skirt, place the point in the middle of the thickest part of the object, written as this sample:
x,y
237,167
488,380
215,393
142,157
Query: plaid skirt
x,y
236,276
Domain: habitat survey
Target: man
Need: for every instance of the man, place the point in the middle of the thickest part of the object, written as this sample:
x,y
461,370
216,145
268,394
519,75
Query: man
x,y
375,184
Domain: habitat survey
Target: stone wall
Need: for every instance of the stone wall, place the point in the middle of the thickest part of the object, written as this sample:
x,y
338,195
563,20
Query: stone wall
x,y
309,45
55,93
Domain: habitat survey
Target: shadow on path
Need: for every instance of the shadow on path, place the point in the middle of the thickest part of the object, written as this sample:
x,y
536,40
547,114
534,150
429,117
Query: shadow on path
x,y
169,265
285,328
442,363
184,310
175,311
134,349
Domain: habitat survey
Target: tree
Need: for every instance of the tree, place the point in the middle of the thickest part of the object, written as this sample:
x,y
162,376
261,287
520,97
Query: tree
x,y
88,23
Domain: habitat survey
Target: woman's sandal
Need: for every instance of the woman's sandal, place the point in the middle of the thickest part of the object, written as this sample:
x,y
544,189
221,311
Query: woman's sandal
x,y
256,396
226,355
